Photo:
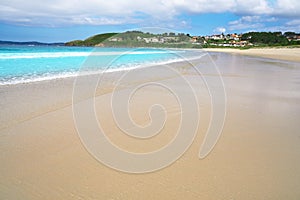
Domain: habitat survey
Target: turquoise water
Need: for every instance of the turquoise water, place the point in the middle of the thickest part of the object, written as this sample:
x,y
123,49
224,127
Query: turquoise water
x,y
20,64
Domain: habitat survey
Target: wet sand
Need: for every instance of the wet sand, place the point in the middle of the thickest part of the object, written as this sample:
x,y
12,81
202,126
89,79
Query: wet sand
x,y
256,157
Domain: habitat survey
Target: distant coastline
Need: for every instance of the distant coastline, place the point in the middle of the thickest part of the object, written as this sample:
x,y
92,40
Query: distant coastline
x,y
182,40
179,40
34,43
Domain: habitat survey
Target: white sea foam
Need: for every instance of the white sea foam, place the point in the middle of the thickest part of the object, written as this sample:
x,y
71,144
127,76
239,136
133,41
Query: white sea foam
x,y
43,55
75,54
61,75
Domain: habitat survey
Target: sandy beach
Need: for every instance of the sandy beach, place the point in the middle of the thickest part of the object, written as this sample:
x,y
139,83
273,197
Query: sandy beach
x,y
256,157
290,54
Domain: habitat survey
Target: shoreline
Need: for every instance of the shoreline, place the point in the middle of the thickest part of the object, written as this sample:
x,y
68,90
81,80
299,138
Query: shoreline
x,y
45,97
42,156
287,54
74,74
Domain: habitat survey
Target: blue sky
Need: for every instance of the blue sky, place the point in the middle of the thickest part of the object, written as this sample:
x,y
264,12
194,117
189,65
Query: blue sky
x,y
64,20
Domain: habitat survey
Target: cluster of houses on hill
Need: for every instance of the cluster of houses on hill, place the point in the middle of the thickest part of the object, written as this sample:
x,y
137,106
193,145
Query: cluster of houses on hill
x,y
229,40
161,39
196,40
221,40
295,37
214,40
224,37
154,39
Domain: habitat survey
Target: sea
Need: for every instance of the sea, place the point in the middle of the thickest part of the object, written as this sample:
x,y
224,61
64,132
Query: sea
x,y
24,64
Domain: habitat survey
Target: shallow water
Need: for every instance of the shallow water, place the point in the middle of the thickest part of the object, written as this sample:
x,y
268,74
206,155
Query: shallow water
x,y
19,64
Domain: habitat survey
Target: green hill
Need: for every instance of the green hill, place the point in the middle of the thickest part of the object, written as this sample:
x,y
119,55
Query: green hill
x,y
91,41
138,39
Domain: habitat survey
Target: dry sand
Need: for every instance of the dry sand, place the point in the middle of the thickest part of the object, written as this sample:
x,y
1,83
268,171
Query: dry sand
x,y
257,156
290,54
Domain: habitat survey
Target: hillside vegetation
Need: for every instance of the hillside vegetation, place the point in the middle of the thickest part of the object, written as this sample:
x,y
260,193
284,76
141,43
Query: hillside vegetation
x,y
141,39
137,39
266,38
91,41
181,40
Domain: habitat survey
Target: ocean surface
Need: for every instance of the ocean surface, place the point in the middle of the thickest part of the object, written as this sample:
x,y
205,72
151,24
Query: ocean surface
x,y
23,64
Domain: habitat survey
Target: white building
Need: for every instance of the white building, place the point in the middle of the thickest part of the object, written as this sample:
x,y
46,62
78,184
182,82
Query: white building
x,y
152,39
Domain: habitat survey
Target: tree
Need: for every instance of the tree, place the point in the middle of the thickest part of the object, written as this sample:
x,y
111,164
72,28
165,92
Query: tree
x,y
268,38
289,34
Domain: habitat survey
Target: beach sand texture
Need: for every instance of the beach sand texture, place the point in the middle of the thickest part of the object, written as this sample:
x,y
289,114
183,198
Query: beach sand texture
x,y
256,157
290,54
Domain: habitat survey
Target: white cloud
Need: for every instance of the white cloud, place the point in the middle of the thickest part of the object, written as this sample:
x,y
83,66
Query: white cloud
x,y
95,21
260,23
283,28
288,8
241,26
203,6
250,22
76,12
293,25
220,30
253,7
104,12
295,22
